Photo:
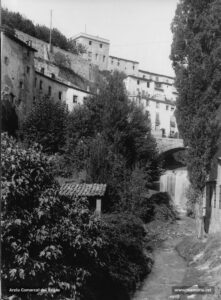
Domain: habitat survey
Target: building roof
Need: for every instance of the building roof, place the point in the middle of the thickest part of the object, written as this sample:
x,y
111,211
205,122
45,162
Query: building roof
x,y
139,78
115,57
18,41
156,74
90,37
72,189
67,84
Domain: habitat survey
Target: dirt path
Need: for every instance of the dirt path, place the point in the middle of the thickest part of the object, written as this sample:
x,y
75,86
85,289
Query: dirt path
x,y
169,268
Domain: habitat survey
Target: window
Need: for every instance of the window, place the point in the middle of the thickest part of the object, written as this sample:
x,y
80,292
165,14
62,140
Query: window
x,y
28,70
42,70
75,98
172,108
133,67
148,84
59,95
6,60
104,58
21,84
53,75
157,85
40,84
34,100
101,45
167,107
49,90
144,76
118,63
220,196
96,56
138,82
90,42
157,78
112,62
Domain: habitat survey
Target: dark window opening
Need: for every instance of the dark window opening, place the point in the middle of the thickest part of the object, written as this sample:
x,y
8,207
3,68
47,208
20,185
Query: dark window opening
x,y
101,45
104,58
59,95
53,75
42,70
6,60
133,67
138,81
118,63
148,84
75,98
40,84
90,42
49,90
21,85
28,70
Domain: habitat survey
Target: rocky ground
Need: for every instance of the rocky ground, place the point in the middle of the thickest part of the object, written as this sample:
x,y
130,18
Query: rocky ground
x,y
181,260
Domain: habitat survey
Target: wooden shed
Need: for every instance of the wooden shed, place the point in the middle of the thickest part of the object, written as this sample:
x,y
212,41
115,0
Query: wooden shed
x,y
94,192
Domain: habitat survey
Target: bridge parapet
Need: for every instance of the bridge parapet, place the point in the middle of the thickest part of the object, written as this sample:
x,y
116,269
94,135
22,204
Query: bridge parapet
x,y
167,144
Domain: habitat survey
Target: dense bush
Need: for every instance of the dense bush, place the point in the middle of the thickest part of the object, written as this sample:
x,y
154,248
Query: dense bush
x,y
47,240
125,262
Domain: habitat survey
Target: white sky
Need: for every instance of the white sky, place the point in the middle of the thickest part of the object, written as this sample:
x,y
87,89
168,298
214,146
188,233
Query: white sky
x,y
137,29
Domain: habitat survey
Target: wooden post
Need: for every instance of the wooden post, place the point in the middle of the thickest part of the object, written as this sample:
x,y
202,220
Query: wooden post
x,y
98,207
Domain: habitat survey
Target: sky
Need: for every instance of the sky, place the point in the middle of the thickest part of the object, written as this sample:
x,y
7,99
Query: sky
x,y
137,29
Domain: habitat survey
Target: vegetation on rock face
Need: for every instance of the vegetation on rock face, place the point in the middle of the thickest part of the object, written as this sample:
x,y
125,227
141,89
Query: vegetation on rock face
x,y
17,21
196,56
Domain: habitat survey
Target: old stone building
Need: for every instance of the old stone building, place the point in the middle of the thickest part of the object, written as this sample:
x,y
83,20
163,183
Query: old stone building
x,y
157,95
18,73
129,67
97,49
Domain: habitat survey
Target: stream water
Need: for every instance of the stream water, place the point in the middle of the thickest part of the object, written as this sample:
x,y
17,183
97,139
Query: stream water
x,y
168,270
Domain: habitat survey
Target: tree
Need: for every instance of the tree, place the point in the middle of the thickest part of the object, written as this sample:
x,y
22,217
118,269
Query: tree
x,y
47,240
46,125
115,137
196,56
17,21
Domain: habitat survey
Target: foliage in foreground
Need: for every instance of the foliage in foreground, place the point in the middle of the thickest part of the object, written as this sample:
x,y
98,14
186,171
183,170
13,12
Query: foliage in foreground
x,y
52,241
46,240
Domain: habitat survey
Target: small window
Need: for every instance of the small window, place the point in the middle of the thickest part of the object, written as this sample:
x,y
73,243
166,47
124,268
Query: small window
x,y
138,82
59,95
144,76
75,97
34,100
148,84
6,60
172,108
53,75
40,84
28,69
96,56
118,63
104,58
49,90
101,45
167,107
42,70
133,67
90,42
112,62
21,84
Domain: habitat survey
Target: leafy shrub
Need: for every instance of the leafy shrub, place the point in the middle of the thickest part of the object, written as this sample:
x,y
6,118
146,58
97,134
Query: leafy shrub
x,y
124,261
47,240
192,196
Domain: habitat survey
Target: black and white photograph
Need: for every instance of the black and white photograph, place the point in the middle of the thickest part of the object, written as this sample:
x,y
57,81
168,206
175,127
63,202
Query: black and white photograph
x,y
110,116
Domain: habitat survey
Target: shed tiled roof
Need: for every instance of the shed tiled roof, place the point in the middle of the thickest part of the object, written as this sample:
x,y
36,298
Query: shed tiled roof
x,y
71,189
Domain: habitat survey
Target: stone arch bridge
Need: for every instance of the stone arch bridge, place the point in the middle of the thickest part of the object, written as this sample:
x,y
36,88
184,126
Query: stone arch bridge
x,y
169,145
